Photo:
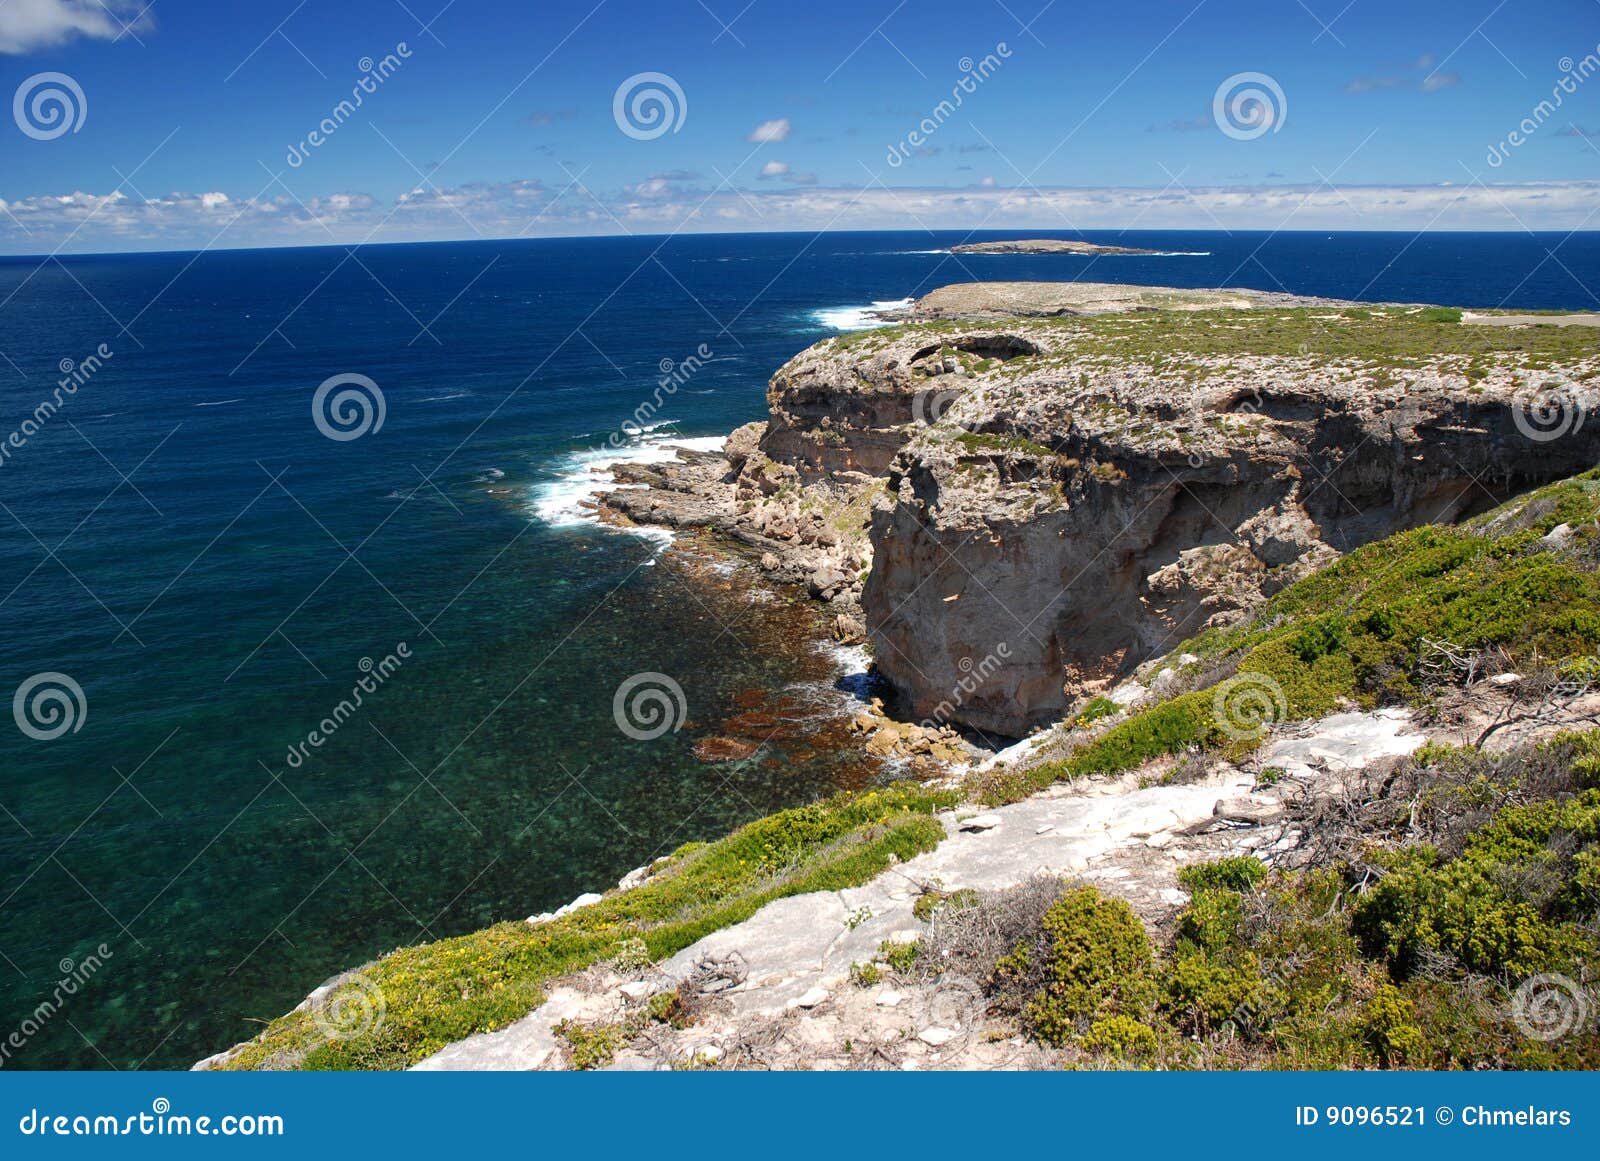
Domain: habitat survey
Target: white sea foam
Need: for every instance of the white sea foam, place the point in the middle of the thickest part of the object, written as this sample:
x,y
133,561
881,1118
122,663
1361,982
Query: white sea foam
x,y
567,500
858,318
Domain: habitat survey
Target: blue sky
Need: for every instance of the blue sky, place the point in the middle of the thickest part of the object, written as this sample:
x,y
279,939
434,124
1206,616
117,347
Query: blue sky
x,y
497,118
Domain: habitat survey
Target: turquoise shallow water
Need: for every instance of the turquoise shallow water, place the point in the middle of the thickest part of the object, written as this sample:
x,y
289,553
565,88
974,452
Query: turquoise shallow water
x,y
211,570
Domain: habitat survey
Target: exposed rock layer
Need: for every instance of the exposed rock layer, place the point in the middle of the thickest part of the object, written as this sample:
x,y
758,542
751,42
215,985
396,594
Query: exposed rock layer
x,y
1046,502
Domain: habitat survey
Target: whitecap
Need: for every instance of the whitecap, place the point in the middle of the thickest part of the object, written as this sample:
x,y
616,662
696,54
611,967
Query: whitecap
x,y
859,318
567,500
221,402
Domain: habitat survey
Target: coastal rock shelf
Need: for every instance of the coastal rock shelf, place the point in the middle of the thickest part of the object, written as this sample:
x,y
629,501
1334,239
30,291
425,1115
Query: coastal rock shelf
x,y
791,1001
1027,490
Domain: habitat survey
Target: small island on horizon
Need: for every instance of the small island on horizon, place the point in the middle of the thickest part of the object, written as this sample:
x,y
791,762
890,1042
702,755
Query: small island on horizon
x,y
1047,246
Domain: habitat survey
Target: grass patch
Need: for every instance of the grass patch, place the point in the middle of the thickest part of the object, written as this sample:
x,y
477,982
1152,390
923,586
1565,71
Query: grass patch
x,y
437,993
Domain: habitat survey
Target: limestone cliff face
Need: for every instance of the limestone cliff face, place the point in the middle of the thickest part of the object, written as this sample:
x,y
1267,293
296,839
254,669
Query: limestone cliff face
x,y
1045,486
1063,503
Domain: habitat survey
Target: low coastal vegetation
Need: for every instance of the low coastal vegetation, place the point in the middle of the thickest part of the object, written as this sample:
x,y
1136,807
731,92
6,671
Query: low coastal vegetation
x,y
1390,336
436,993
1446,912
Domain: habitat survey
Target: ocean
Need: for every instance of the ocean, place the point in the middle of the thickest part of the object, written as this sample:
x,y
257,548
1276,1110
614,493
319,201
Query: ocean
x,y
304,673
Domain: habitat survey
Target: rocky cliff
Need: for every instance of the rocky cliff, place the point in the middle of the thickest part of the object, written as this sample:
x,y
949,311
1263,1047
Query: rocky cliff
x,y
1043,489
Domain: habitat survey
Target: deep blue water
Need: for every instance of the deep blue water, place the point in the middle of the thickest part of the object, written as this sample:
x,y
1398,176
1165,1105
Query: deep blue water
x,y
182,541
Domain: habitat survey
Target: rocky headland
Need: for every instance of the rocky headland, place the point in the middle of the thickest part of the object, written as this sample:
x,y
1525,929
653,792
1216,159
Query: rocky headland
x,y
1299,605
1026,491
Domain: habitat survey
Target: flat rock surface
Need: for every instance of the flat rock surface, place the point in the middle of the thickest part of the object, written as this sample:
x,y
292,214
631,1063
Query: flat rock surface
x,y
796,998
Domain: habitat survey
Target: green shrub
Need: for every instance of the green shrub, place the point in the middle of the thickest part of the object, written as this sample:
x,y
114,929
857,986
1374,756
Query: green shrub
x,y
902,957
1389,1027
1509,905
1240,873
437,993
1097,708
1122,1037
1212,919
1202,991
591,1046
864,975
1096,963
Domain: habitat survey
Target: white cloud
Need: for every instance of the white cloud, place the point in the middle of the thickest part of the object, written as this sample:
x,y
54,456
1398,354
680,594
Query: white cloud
x,y
769,131
26,25
514,209
774,169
